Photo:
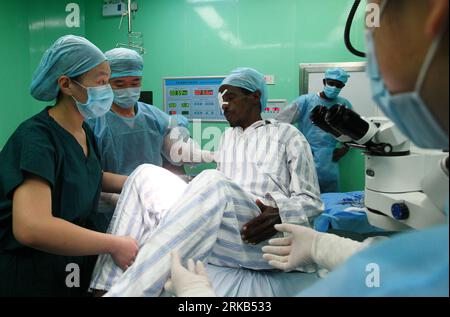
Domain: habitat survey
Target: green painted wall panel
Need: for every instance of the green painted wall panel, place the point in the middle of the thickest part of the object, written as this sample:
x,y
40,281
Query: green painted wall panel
x,y
193,38
15,66
28,28
185,38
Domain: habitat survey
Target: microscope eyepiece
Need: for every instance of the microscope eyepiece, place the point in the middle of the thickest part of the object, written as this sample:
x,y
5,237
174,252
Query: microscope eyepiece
x,y
318,119
348,122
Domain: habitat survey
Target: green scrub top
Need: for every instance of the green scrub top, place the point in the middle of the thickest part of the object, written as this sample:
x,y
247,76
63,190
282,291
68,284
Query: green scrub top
x,y
41,147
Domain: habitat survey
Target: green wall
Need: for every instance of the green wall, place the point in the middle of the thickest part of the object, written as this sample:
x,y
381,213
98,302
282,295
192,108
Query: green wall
x,y
201,38
27,29
188,38
185,38
15,66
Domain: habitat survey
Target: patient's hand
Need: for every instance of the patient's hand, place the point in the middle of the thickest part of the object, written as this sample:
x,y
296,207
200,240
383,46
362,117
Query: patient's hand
x,y
262,227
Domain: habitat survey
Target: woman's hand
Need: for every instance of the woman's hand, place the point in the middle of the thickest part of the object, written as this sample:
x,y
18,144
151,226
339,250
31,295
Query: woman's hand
x,y
124,252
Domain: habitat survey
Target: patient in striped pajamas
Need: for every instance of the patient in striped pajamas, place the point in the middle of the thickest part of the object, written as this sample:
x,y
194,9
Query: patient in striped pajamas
x,y
266,175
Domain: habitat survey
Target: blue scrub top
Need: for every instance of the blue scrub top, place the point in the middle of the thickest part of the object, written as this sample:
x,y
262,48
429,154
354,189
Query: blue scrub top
x,y
322,144
126,143
411,264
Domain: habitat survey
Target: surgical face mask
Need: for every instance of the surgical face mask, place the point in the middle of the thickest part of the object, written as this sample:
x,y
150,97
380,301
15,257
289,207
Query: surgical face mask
x,y
99,101
407,111
127,98
332,92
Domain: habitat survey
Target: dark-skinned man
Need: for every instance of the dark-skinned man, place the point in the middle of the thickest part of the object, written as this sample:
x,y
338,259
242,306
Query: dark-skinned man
x,y
267,159
265,176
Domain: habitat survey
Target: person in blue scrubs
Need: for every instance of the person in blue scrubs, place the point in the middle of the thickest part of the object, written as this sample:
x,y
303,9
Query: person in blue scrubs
x,y
410,83
132,133
51,178
324,146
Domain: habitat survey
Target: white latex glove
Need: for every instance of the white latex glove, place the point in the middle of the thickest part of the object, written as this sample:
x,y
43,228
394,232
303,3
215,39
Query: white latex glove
x,y
192,282
291,252
306,246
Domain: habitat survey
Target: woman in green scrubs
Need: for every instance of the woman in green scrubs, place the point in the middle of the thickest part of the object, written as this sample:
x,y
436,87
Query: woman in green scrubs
x,y
51,179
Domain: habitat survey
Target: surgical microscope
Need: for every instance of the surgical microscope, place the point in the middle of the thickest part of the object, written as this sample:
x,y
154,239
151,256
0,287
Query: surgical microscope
x,y
406,187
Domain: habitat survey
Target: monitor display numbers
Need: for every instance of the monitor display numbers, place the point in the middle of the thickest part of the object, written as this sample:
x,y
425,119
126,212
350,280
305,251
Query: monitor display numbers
x,y
179,93
196,98
272,110
204,92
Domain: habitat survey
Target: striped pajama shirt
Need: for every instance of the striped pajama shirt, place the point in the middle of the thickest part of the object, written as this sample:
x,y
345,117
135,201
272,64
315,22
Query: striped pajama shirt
x,y
203,220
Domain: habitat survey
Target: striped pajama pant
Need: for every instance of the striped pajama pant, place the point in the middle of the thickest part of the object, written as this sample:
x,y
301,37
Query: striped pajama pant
x,y
201,220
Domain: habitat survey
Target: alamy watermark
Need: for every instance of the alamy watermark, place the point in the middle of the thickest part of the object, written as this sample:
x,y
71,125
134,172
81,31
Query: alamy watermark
x,y
259,143
373,278
373,15
73,278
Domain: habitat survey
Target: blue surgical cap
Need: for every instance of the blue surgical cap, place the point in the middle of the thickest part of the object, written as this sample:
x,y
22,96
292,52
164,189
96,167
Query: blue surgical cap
x,y
69,56
337,74
125,62
249,79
